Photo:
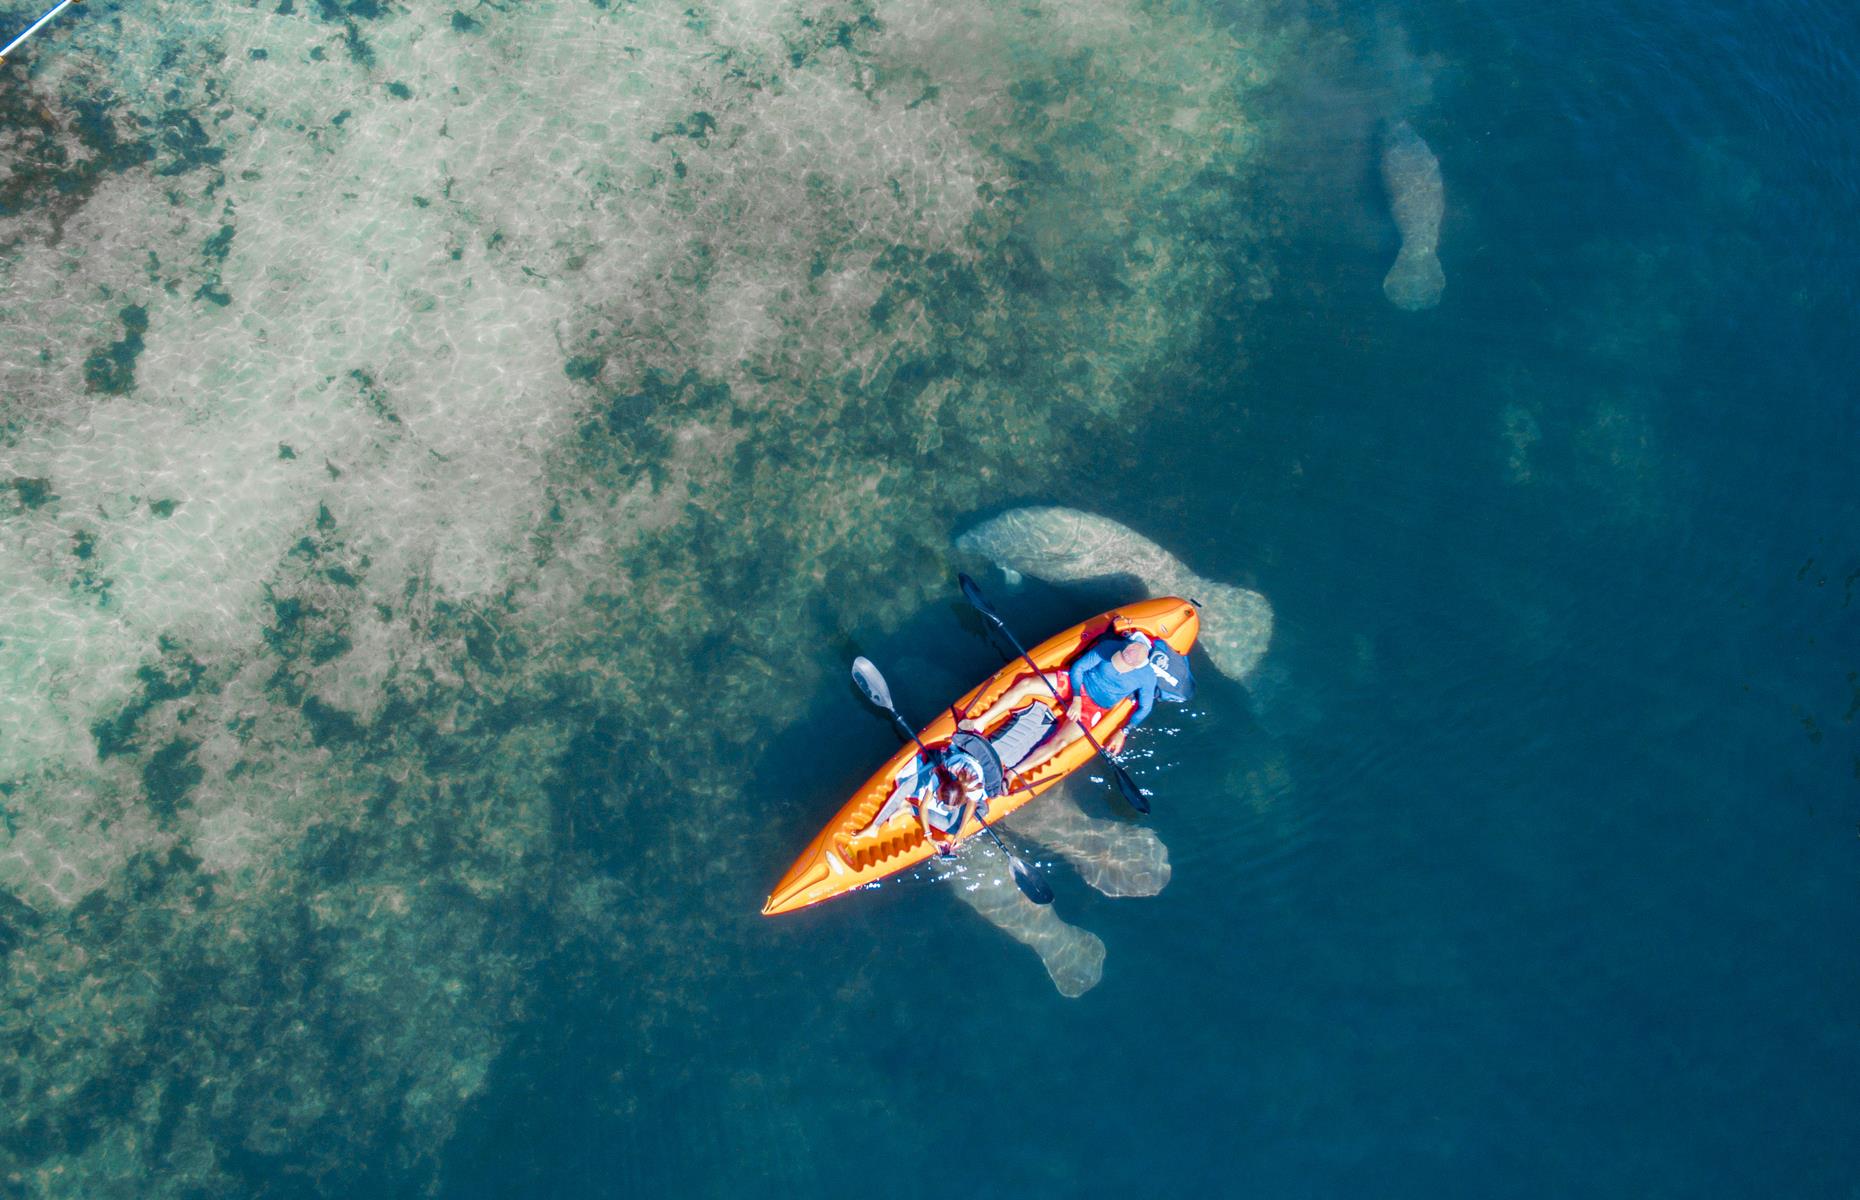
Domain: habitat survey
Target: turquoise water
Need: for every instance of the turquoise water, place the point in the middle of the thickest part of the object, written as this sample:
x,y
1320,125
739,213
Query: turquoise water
x,y
452,455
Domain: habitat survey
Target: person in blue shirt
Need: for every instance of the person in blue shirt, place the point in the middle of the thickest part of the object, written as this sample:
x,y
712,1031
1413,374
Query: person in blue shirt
x,y
1115,666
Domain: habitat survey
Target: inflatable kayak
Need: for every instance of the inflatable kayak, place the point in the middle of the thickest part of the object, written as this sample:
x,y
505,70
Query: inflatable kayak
x,y
852,852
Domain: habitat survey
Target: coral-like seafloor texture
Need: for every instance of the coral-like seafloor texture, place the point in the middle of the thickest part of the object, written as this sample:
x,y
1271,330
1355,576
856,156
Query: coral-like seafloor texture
x,y
392,398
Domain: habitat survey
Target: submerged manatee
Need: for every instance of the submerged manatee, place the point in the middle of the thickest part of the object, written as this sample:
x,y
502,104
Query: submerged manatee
x,y
1074,957
1115,858
1064,545
1412,175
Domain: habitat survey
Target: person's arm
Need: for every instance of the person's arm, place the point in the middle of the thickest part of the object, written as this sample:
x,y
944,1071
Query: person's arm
x,y
962,818
921,795
923,822
974,786
1146,699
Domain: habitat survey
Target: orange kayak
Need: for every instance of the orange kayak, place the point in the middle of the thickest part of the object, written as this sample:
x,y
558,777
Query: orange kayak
x,y
846,855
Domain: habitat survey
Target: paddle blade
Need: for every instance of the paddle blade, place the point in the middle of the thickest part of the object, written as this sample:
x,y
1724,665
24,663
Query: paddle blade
x,y
1133,795
1030,882
973,594
872,683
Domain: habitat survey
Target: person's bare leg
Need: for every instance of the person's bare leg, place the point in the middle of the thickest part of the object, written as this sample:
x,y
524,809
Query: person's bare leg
x,y
1013,698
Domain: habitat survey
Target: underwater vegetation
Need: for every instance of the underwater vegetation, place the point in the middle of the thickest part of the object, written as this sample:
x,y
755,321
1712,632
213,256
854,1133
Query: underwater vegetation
x,y
390,398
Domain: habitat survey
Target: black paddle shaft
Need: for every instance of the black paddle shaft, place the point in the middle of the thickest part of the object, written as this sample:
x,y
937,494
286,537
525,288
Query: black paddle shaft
x,y
1125,784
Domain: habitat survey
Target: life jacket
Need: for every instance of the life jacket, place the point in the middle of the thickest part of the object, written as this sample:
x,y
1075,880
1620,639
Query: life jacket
x,y
961,755
981,752
1174,681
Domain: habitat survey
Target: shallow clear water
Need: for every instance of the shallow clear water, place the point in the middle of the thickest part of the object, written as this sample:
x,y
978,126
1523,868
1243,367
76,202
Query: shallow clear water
x,y
451,456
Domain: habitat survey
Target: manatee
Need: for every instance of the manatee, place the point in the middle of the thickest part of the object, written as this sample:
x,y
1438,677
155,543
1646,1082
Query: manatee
x,y
1412,175
1117,858
1064,545
1074,957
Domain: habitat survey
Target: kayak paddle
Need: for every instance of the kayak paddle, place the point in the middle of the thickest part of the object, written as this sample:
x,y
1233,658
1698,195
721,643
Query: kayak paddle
x,y
1031,883
1133,795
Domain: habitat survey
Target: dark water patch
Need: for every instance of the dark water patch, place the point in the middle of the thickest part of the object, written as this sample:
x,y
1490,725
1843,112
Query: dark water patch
x,y
214,252
360,52
306,631
312,601
18,921
163,509
399,91
348,16
947,287
697,127
112,370
60,150
86,581
464,23
629,424
33,493
816,36
376,398
492,647
217,246
106,1097
361,10
183,143
174,676
330,725
169,775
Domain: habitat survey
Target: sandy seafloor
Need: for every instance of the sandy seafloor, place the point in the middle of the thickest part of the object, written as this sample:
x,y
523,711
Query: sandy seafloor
x,y
448,456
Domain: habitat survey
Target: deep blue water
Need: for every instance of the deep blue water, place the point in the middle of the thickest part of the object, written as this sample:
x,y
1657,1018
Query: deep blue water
x,y
1554,893
1525,867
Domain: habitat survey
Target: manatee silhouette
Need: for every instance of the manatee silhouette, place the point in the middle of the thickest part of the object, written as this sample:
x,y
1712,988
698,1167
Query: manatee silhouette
x,y
1113,857
1412,175
1073,957
1064,545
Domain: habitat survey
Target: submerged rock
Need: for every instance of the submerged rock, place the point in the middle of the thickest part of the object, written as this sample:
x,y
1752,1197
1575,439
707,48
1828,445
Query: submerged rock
x,y
1065,545
1412,175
